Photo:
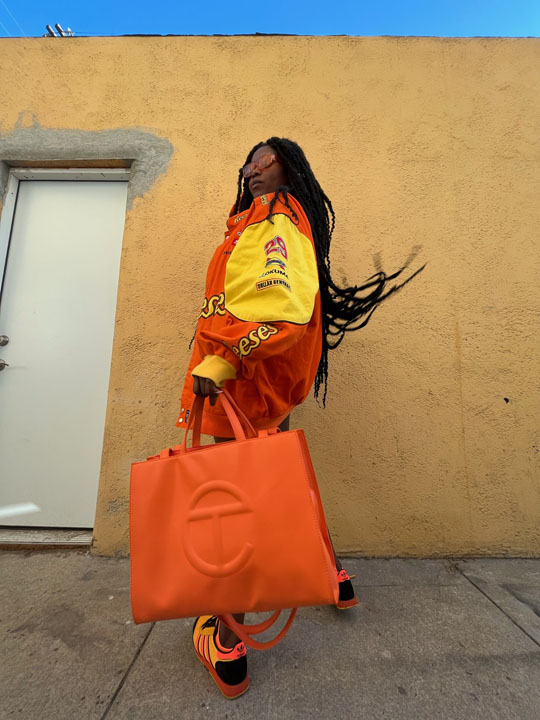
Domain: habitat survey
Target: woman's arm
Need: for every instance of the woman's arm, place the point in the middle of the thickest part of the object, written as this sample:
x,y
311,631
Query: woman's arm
x,y
270,289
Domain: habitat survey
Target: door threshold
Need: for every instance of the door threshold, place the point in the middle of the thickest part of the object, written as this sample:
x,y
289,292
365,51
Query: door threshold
x,y
45,537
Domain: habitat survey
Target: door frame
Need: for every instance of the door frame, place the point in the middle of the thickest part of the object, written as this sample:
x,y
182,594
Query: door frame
x,y
13,536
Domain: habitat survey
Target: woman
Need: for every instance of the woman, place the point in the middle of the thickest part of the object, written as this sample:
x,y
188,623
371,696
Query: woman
x,y
271,313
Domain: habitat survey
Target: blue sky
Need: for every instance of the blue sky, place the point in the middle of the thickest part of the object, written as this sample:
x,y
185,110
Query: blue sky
x,y
447,18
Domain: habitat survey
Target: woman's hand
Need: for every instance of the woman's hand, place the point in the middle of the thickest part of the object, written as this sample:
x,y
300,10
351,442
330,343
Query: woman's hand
x,y
206,388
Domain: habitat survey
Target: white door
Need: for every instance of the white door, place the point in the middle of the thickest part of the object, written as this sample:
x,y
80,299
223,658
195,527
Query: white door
x,y
57,308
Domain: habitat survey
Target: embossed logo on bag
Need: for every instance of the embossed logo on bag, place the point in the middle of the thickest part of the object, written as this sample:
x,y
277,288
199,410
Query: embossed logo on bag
x,y
211,516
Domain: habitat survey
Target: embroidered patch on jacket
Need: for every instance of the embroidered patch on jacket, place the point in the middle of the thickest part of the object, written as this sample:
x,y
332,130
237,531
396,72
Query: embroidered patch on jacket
x,y
253,339
276,245
275,261
240,217
274,271
265,284
214,305
264,200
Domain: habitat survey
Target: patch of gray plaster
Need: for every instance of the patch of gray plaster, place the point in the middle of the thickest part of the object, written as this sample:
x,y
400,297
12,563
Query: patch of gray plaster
x,y
147,153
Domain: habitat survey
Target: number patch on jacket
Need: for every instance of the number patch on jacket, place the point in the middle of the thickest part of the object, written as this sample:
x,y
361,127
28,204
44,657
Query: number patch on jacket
x,y
276,245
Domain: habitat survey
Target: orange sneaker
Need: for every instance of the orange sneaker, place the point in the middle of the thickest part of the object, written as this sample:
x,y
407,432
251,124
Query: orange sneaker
x,y
227,666
347,598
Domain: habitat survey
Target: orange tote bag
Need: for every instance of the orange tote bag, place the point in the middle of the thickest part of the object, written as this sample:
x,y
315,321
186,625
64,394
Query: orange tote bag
x,y
229,528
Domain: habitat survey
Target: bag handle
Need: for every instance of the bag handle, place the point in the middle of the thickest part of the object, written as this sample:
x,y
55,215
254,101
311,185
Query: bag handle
x,y
245,632
232,409
234,414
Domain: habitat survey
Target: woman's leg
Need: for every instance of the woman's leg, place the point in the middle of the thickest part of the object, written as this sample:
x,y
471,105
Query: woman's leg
x,y
226,636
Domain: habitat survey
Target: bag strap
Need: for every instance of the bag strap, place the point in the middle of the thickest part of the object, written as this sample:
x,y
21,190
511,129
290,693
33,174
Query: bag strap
x,y
234,414
265,432
226,397
244,632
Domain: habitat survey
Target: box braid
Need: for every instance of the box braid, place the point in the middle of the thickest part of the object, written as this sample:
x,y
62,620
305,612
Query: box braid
x,y
344,309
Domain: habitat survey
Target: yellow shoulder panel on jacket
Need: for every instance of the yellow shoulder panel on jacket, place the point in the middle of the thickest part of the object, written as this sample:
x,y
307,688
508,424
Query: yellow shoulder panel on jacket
x,y
272,274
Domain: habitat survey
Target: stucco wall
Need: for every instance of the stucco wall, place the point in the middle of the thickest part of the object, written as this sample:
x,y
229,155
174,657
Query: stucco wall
x,y
429,442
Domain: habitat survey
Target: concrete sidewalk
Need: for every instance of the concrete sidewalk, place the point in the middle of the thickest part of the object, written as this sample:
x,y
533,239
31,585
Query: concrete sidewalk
x,y
430,639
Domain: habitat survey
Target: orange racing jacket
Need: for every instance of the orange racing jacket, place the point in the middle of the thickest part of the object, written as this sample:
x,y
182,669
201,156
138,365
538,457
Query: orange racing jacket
x,y
259,330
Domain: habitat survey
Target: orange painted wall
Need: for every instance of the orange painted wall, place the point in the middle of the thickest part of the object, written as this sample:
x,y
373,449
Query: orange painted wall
x,y
429,444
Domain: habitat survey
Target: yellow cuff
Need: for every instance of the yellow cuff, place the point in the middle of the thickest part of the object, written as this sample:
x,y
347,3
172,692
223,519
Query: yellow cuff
x,y
216,368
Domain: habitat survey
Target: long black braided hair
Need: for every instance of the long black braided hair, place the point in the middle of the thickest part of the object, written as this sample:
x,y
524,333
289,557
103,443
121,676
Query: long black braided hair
x,y
343,309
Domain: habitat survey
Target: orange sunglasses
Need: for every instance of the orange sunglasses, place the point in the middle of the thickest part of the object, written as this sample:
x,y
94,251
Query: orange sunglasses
x,y
264,162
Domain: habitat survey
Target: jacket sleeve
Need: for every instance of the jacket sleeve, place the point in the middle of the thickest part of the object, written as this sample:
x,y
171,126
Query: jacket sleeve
x,y
271,284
